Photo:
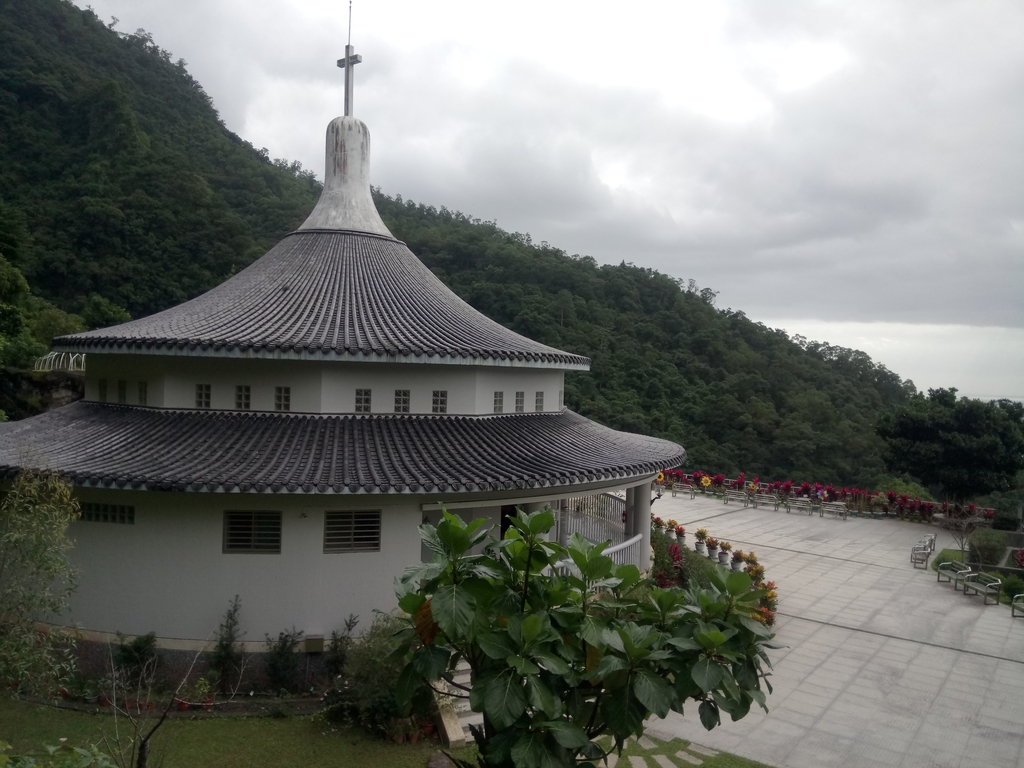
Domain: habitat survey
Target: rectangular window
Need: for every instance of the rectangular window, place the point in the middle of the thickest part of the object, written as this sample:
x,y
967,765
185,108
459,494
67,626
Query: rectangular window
x,y
108,513
499,402
401,401
520,402
538,402
561,401
202,395
440,401
143,393
362,401
122,391
258,532
282,398
101,390
243,397
351,531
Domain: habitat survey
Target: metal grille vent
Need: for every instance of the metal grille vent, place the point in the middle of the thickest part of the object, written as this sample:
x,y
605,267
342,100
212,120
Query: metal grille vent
x,y
352,531
252,532
108,513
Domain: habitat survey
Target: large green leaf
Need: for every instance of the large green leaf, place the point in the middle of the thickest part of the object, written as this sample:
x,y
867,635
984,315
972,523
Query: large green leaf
x,y
653,691
709,716
707,674
623,712
431,661
452,608
505,700
738,583
411,602
409,680
552,663
567,734
541,698
532,625
453,537
497,645
542,521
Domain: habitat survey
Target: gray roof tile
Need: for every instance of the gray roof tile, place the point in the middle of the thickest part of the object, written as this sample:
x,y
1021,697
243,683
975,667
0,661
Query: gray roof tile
x,y
327,294
217,451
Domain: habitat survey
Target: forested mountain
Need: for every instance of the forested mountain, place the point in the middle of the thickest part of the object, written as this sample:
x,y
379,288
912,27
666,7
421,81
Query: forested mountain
x,y
122,189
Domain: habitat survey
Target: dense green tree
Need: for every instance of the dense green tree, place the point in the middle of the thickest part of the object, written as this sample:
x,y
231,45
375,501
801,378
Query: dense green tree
x,y
35,580
967,446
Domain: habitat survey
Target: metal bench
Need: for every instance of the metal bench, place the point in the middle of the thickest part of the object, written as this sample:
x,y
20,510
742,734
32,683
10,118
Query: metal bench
x,y
800,505
732,495
761,499
983,584
919,555
834,508
928,541
954,571
1017,603
684,488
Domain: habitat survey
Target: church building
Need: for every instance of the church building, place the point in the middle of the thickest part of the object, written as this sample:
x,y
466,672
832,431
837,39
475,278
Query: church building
x,y
282,436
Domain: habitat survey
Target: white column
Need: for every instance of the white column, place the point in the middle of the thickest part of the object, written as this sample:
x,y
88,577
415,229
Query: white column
x,y
642,522
630,530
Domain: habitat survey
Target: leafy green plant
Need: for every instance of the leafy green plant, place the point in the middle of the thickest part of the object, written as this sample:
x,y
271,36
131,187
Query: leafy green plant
x,y
227,661
558,661
988,546
137,660
1012,585
283,660
338,645
56,756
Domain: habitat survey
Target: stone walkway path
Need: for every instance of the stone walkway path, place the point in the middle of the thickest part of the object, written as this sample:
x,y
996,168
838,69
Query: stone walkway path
x,y
883,667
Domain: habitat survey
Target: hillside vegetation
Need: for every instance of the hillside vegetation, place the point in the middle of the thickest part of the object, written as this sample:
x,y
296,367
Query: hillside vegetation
x,y
124,192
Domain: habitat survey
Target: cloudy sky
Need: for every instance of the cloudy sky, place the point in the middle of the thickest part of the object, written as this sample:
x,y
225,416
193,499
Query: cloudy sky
x,y
852,172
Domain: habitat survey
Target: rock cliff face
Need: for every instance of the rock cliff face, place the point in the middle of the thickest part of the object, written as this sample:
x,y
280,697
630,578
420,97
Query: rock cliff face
x,y
28,393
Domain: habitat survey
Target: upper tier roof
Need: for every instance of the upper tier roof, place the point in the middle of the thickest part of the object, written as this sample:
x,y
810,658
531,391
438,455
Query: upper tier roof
x,y
340,287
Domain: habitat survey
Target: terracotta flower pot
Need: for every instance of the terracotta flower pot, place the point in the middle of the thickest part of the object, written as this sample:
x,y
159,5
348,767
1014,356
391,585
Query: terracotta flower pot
x,y
182,705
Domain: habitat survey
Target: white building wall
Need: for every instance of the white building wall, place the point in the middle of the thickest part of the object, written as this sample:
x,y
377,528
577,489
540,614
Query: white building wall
x,y
167,572
319,387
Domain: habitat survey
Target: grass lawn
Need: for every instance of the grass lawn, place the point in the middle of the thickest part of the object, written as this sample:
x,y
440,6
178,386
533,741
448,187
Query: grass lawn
x,y
233,742
946,556
1011,585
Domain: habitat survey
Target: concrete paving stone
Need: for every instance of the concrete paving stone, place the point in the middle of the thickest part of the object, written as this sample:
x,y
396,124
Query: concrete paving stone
x,y
646,742
686,757
664,762
702,750
611,760
637,761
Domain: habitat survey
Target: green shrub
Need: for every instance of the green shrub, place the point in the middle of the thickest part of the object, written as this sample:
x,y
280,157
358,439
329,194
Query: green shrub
x,y
912,489
137,661
987,546
227,659
698,569
1012,585
337,647
283,661
365,694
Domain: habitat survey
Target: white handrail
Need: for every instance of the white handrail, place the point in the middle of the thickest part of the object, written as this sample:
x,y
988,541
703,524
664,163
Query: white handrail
x,y
564,565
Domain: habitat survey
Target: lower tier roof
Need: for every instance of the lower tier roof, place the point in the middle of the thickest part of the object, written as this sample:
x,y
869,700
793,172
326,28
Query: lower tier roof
x,y
116,446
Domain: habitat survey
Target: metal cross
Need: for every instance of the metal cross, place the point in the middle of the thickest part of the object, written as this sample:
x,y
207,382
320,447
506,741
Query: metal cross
x,y
348,64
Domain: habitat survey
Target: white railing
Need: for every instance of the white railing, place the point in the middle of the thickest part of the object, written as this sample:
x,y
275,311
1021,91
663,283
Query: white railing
x,y
625,552
597,518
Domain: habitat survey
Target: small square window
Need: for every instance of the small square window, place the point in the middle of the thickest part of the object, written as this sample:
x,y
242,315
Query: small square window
x,y
122,392
352,531
440,401
362,401
243,397
499,402
520,402
255,532
101,390
401,401
202,395
538,402
282,398
143,393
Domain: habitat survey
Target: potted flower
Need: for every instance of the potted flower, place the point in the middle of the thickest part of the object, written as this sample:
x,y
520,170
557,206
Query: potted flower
x,y
712,545
681,534
723,552
737,560
201,694
750,558
658,524
701,536
670,529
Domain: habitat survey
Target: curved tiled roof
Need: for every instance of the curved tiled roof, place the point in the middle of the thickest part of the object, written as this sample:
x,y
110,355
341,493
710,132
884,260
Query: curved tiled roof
x,y
99,445
326,294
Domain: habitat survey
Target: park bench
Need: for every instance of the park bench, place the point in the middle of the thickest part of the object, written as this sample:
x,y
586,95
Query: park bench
x,y
684,488
834,508
761,499
954,571
1017,603
800,505
927,541
732,495
983,584
919,555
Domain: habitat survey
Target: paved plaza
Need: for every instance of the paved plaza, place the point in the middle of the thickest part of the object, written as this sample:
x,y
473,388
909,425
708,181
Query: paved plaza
x,y
882,665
